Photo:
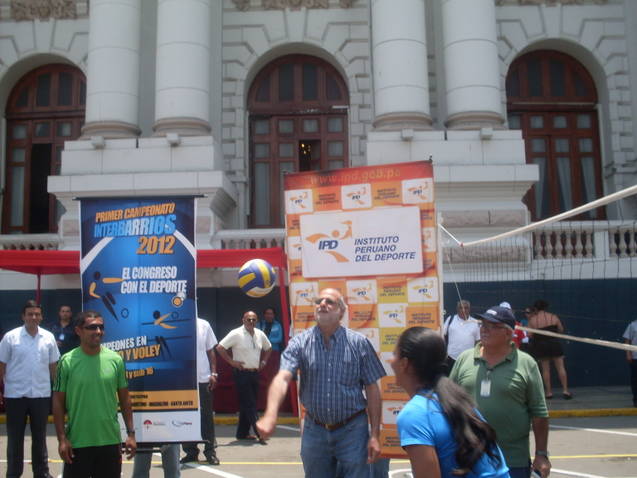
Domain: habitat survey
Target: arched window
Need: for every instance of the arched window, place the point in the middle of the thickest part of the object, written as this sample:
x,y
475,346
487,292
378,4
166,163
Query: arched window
x,y
551,98
298,122
45,108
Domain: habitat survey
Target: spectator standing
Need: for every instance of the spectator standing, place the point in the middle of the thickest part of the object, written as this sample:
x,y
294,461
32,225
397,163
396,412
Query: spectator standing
x,y
520,339
64,330
28,358
169,461
630,337
507,387
250,352
461,332
207,380
273,330
90,382
547,349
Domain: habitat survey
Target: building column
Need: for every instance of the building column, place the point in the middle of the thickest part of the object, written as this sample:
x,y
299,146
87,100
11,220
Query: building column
x,y
399,51
182,95
112,86
472,70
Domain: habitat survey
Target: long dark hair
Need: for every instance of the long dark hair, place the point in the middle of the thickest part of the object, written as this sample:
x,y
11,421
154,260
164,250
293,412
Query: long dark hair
x,y
426,351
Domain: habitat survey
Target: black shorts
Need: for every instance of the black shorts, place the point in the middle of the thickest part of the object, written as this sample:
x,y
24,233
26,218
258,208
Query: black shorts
x,y
95,462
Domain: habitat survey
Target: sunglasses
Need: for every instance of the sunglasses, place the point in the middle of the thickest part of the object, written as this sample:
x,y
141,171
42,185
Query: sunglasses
x,y
251,320
327,300
94,327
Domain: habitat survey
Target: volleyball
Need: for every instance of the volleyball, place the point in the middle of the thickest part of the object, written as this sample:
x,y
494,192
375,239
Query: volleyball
x,y
256,278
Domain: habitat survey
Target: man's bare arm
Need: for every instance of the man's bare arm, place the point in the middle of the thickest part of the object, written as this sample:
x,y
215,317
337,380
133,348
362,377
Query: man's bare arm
x,y
276,394
59,410
374,411
127,414
224,355
541,433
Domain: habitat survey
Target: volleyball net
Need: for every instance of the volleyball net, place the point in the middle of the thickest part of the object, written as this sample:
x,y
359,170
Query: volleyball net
x,y
584,269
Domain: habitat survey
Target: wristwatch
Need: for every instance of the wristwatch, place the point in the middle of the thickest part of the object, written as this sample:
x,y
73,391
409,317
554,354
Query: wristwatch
x,y
542,453
214,374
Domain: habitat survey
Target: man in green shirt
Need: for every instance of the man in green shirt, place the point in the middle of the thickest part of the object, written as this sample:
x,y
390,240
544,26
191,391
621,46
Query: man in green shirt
x,y
508,390
90,382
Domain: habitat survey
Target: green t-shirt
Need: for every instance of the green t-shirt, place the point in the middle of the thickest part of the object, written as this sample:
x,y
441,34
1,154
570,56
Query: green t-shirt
x,y
516,396
91,383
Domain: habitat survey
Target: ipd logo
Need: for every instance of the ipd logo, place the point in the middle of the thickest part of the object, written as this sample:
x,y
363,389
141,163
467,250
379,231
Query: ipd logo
x,y
327,244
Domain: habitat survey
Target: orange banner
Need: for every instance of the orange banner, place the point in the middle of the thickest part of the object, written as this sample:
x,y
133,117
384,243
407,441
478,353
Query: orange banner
x,y
371,233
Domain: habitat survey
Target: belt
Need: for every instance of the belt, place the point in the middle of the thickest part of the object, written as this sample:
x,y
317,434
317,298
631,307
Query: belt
x,y
335,426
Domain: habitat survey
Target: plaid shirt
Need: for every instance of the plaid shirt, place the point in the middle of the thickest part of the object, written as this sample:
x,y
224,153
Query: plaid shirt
x,y
332,379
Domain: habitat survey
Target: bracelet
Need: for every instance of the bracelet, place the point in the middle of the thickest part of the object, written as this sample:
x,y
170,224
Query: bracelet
x,y
130,432
214,374
542,453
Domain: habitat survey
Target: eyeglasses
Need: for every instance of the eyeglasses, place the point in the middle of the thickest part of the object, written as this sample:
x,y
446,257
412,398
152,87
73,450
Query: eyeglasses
x,y
251,320
94,327
327,300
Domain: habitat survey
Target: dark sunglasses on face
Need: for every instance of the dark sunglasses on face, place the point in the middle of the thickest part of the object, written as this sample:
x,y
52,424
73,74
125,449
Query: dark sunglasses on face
x,y
94,327
327,300
251,320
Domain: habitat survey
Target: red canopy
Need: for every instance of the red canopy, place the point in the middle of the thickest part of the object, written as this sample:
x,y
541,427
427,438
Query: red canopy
x,y
68,262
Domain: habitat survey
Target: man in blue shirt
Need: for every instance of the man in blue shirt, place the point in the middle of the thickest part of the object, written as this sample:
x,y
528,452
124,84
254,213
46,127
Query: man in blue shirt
x,y
336,364
64,330
272,328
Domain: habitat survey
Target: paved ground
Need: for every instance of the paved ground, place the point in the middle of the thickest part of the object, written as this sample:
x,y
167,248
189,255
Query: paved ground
x,y
582,445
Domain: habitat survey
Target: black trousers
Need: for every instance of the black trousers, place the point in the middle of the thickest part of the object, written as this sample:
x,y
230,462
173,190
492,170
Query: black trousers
x,y
95,462
17,410
633,379
247,383
207,425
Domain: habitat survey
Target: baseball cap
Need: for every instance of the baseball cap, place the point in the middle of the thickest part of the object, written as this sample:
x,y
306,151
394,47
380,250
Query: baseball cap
x,y
498,314
506,305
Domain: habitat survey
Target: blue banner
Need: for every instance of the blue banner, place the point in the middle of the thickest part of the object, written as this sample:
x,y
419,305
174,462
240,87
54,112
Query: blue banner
x,y
138,265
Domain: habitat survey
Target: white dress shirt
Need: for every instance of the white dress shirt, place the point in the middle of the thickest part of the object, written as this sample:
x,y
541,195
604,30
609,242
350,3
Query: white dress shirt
x,y
246,348
27,362
206,340
463,335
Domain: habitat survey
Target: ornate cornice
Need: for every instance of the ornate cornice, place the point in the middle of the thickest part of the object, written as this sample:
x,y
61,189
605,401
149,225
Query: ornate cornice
x,y
551,2
27,10
244,5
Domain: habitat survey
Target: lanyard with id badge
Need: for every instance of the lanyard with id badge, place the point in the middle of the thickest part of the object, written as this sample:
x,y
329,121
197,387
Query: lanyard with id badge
x,y
485,385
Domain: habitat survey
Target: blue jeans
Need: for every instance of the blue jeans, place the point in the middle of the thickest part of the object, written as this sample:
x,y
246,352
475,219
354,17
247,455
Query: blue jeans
x,y
322,451
169,461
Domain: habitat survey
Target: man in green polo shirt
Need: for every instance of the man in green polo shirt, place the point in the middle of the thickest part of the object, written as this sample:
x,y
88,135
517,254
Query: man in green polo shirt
x,y
507,386
90,382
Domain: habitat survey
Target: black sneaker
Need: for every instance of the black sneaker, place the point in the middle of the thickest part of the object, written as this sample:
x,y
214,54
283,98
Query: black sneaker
x,y
189,458
211,459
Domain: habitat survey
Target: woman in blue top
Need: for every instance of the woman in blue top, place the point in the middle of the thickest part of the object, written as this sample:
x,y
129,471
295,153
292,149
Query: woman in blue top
x,y
439,428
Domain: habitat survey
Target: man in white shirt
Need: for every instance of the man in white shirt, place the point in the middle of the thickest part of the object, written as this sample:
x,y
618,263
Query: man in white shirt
x,y
28,358
207,378
250,352
461,332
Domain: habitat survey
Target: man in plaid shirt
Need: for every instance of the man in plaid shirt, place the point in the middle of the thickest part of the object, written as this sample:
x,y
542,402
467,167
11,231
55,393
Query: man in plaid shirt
x,y
336,364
